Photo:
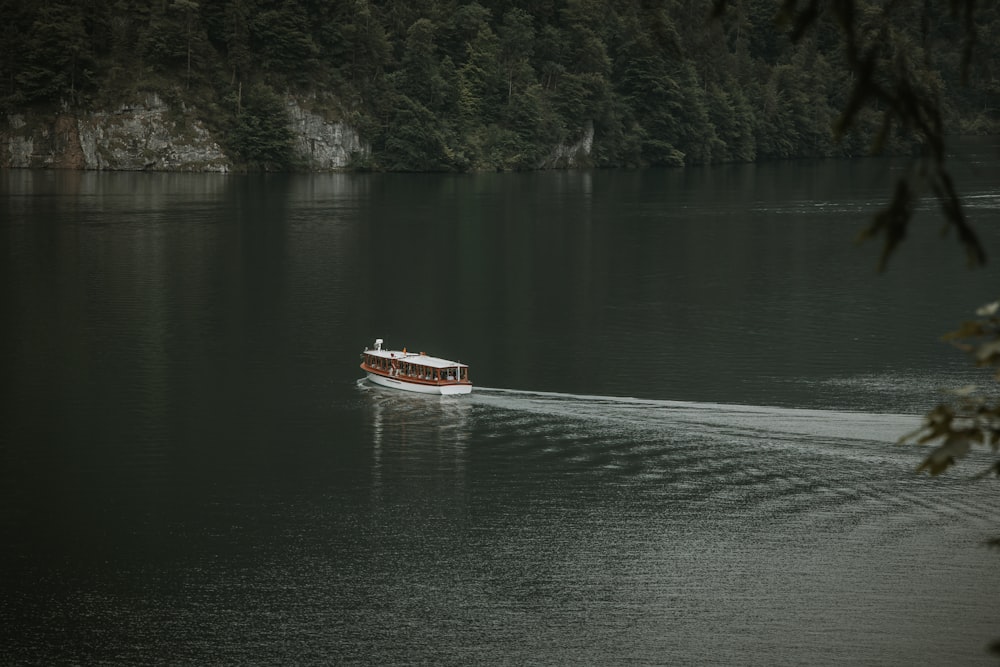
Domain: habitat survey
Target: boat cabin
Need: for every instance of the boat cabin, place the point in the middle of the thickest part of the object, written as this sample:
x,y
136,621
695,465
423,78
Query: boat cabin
x,y
412,367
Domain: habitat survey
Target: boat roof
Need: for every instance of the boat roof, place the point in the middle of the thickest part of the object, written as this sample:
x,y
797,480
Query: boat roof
x,y
416,358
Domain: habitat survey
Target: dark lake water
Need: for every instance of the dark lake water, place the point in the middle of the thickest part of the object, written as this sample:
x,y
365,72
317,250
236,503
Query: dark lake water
x,y
679,449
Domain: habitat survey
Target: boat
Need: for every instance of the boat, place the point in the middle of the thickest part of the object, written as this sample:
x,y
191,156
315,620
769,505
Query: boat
x,y
414,371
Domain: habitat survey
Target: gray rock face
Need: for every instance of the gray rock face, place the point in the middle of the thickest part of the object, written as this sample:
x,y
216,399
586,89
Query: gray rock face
x,y
150,134
576,154
323,145
145,135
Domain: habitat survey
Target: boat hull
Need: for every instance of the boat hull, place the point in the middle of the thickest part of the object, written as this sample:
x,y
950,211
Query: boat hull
x,y
439,389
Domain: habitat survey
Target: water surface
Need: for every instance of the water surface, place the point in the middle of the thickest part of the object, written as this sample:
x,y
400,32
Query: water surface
x,y
679,449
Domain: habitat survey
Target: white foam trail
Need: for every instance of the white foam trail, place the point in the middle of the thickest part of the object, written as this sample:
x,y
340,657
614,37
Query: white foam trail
x,y
855,425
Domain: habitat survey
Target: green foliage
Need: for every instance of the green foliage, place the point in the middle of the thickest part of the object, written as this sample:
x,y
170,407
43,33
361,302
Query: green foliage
x,y
57,60
733,119
415,140
889,52
971,419
499,85
176,41
261,135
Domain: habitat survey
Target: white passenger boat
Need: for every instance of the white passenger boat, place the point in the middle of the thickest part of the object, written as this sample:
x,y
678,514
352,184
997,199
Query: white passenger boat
x,y
415,371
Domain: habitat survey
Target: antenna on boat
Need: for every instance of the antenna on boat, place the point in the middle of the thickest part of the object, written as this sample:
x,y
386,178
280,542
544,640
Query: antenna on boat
x,y
378,343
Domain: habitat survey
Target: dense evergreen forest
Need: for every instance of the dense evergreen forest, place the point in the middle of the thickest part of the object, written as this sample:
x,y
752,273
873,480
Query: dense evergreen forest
x,y
463,85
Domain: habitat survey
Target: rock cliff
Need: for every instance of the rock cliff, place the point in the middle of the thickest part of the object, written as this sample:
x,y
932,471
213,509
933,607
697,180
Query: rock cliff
x,y
152,135
320,144
145,135
576,154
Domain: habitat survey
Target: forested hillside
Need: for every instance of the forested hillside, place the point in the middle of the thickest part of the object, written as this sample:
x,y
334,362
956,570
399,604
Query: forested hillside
x,y
458,85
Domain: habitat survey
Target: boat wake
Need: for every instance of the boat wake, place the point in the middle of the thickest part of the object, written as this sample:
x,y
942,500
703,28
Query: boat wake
x,y
768,461
841,424
577,422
